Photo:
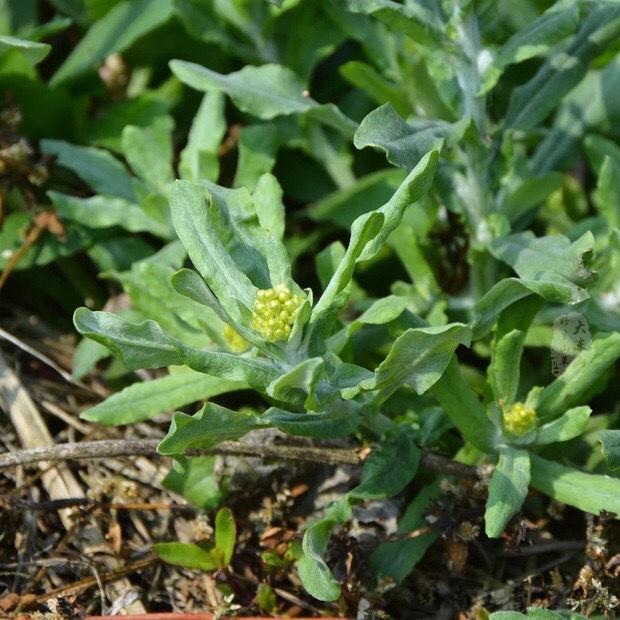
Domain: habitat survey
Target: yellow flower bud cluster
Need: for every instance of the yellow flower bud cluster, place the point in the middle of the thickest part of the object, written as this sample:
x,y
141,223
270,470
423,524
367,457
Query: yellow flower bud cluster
x,y
274,312
519,419
236,343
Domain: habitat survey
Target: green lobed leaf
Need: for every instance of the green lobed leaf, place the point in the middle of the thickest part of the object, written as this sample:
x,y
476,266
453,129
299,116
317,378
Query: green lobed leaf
x,y
536,39
49,247
569,425
197,482
507,489
550,266
191,206
199,158
389,468
298,382
581,374
531,103
504,370
149,153
104,173
518,315
258,253
502,295
107,211
117,252
202,22
257,372
414,187
591,493
368,235
465,409
418,358
598,149
142,345
86,355
382,311
339,420
347,375
266,92
313,571
414,19
530,193
206,429
590,106
188,283
39,32
336,294
610,445
116,31
258,147
106,128
144,400
34,52
367,194
404,143
267,198
150,289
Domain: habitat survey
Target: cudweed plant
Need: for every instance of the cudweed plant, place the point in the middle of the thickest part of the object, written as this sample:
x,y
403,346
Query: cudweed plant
x,y
241,320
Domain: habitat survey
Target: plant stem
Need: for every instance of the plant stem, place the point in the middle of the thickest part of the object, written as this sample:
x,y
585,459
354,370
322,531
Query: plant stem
x,y
133,447
474,187
468,74
11,263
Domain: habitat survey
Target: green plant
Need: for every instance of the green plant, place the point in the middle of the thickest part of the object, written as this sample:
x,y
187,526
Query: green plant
x,y
204,557
318,394
488,124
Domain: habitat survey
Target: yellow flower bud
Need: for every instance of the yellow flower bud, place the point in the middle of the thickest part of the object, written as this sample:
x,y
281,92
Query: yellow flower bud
x,y
519,419
235,342
274,312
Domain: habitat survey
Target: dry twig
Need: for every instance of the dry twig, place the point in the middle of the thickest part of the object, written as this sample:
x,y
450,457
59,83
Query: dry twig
x,y
133,447
41,222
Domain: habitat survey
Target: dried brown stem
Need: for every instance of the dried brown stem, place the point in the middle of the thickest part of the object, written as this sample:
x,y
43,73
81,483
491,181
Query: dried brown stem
x,y
29,241
46,220
134,447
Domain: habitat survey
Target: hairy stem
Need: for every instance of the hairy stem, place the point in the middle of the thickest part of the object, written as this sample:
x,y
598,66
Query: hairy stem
x,y
474,186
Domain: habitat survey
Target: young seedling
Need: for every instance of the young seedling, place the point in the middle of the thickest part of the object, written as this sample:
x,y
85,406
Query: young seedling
x,y
215,556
